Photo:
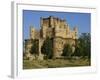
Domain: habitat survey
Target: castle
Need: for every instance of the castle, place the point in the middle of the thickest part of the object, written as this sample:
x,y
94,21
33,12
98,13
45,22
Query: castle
x,y
54,28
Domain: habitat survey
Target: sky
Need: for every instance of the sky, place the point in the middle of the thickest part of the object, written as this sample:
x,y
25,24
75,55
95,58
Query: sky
x,y
80,20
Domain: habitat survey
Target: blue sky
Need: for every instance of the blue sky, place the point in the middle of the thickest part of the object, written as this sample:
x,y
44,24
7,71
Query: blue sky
x,y
32,18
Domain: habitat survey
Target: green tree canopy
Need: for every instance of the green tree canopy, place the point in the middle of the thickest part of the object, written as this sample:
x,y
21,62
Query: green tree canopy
x,y
47,47
83,47
67,50
34,48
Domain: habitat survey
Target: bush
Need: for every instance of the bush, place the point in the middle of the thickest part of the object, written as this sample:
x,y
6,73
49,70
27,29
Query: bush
x,y
47,48
67,51
34,48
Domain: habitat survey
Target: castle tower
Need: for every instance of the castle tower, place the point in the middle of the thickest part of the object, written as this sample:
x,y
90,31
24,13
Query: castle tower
x,y
32,32
75,32
75,29
43,28
68,29
51,21
41,21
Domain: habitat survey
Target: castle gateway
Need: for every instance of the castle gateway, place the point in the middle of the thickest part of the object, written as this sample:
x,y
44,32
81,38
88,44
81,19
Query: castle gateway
x,y
57,30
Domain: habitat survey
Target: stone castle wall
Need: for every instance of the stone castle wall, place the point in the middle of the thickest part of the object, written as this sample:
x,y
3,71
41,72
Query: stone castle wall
x,y
57,29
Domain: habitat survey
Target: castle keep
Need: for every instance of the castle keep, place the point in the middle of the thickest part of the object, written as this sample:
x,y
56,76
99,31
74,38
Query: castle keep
x,y
54,28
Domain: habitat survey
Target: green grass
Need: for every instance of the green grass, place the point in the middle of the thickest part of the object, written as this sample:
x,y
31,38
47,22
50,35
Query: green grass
x,y
50,63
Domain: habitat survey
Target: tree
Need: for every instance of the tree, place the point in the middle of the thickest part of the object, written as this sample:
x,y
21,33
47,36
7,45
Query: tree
x,y
78,51
34,48
67,51
47,47
83,47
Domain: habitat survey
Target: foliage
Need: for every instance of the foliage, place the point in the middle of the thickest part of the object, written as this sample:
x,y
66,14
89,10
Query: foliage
x,y
47,47
83,47
67,51
34,48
